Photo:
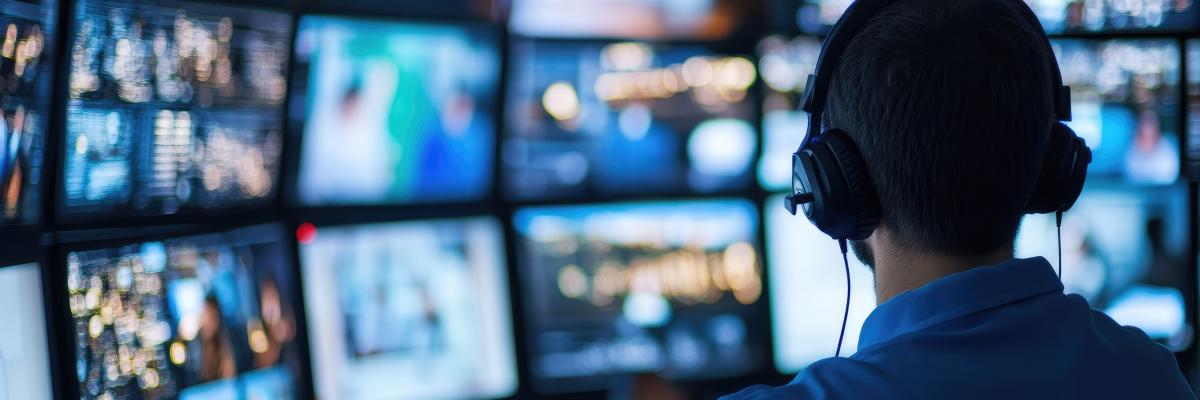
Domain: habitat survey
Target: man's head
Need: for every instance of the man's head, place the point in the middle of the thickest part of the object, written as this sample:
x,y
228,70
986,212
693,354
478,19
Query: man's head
x,y
950,103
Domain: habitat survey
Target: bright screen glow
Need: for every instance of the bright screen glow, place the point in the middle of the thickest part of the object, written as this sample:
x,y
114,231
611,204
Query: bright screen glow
x,y
692,19
413,310
669,288
1125,249
24,355
205,317
395,112
173,106
808,291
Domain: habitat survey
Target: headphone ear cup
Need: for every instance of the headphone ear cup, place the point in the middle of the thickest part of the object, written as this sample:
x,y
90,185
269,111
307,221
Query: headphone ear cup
x,y
1063,173
852,203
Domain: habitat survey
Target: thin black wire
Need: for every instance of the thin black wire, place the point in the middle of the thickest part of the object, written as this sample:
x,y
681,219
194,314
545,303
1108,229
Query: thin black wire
x,y
846,314
1058,230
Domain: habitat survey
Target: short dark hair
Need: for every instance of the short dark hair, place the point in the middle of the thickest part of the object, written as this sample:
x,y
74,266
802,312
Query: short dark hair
x,y
950,103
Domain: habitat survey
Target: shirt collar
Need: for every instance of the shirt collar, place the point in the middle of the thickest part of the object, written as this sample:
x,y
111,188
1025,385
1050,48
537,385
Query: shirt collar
x,y
959,294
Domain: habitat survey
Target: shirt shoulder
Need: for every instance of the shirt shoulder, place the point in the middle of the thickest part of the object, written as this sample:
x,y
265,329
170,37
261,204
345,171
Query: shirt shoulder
x,y
831,378
1053,346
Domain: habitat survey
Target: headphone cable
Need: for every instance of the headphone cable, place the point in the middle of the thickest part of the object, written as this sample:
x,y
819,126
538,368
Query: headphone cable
x,y
846,314
1058,229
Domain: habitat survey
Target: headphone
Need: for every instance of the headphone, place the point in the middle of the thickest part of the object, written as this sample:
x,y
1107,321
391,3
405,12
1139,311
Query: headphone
x,y
830,180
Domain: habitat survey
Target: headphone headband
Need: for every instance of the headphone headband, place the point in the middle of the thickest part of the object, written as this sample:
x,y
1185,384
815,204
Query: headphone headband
x,y
847,28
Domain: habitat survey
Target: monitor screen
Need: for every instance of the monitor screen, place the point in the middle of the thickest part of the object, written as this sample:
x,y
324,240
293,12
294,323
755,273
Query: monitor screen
x,y
27,74
210,316
1192,155
1059,16
816,17
623,18
669,288
394,112
1056,16
1125,103
409,310
24,351
784,65
1125,249
172,106
626,118
808,291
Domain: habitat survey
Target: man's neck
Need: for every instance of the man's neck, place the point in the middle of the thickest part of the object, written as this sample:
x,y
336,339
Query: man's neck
x,y
898,270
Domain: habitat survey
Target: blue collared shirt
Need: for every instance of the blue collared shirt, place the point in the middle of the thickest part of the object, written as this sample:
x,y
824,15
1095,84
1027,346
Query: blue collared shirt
x,y
1004,331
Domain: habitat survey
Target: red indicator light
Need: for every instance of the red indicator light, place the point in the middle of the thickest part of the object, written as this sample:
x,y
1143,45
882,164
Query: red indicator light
x,y
306,232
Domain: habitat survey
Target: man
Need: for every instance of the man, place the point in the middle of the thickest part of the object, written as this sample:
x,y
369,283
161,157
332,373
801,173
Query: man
x,y
951,103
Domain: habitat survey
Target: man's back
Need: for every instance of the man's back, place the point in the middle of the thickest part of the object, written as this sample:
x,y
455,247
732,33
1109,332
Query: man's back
x,y
1003,331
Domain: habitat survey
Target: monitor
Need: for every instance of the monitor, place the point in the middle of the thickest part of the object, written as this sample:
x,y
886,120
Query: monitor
x,y
672,288
816,17
210,316
1125,249
808,291
409,310
1070,16
394,112
1056,16
599,118
24,350
1125,103
1192,154
172,106
646,19
27,74
784,65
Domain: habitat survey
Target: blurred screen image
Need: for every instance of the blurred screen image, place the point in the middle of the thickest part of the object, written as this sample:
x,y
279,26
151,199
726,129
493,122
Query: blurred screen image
x,y
784,65
395,112
668,288
1125,104
816,17
590,118
808,291
1125,250
24,351
620,18
26,77
1192,155
204,317
411,310
173,106
1059,16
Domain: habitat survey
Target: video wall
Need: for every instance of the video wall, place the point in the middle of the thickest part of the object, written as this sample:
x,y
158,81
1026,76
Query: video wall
x,y
223,200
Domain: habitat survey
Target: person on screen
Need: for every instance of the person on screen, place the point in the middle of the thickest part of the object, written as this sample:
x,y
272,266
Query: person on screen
x,y
216,349
950,104
1153,156
278,323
